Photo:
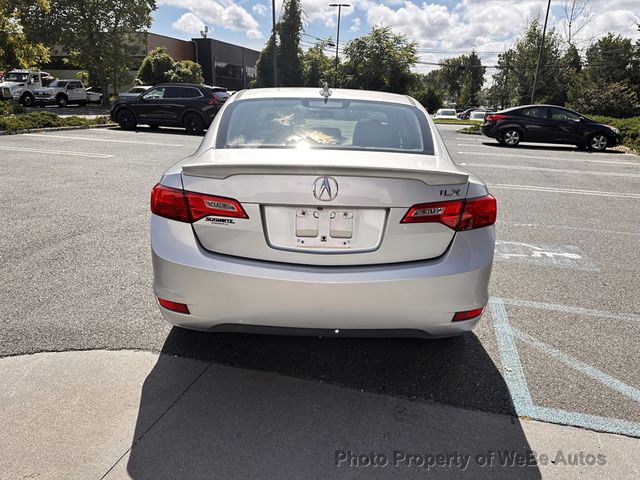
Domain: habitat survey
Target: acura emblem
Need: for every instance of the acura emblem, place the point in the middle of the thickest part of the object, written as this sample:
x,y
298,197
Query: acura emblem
x,y
325,188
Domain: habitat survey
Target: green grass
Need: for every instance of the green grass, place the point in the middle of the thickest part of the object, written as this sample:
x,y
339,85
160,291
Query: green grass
x,y
456,121
471,129
46,120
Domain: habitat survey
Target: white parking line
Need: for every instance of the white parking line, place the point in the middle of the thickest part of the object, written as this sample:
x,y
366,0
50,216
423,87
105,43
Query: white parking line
x,y
55,152
567,227
95,139
554,170
532,157
534,188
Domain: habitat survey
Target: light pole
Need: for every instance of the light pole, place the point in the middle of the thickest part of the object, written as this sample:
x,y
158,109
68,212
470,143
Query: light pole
x,y
339,5
273,39
544,30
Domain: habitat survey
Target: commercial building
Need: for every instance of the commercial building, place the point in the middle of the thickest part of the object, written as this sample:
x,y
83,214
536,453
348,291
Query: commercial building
x,y
223,64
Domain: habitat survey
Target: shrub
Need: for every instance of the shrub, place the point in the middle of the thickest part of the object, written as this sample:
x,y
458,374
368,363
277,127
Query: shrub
x,y
46,120
9,107
629,129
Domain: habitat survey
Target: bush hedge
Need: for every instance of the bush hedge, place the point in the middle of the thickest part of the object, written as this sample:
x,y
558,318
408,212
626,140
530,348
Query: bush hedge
x,y
46,120
9,107
629,129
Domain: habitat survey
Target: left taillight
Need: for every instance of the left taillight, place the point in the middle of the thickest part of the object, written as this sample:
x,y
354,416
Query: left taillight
x,y
189,207
456,214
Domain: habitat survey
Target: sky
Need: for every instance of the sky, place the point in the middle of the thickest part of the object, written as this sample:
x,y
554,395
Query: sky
x,y
442,29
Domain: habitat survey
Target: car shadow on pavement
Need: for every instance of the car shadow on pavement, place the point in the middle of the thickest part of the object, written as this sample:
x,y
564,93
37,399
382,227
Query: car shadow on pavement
x,y
244,423
549,148
143,129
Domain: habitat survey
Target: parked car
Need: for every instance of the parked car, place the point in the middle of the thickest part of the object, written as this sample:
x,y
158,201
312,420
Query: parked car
x,y
62,93
464,115
477,115
333,213
548,124
134,91
93,96
173,105
448,113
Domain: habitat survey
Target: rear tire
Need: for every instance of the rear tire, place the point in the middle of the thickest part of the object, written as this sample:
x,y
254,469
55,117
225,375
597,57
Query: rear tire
x,y
193,123
511,137
127,120
598,142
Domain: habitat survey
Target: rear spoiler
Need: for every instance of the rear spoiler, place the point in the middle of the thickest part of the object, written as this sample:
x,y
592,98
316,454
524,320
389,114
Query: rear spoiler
x,y
225,166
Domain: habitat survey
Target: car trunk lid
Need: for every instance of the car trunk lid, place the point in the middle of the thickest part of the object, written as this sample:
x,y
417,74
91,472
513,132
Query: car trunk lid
x,y
328,208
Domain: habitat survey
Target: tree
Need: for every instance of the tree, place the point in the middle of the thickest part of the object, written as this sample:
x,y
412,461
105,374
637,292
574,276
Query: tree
x,y
380,60
289,54
186,71
264,66
16,50
611,59
576,14
155,68
611,99
317,67
425,93
514,79
99,35
472,81
609,82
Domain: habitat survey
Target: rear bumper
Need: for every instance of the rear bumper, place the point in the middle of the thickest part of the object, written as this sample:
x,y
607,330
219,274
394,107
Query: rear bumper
x,y
487,131
232,294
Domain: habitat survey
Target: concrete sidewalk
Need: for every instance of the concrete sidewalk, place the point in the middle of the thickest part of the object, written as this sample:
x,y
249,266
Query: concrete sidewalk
x,y
124,414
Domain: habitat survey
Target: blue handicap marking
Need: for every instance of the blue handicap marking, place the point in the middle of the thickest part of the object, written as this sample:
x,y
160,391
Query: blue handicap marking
x,y
514,376
558,256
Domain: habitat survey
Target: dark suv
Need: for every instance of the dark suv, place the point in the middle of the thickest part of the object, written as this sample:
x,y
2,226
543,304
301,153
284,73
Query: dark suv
x,y
172,105
548,124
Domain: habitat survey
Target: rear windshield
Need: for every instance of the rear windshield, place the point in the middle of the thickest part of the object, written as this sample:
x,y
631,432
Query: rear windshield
x,y
314,123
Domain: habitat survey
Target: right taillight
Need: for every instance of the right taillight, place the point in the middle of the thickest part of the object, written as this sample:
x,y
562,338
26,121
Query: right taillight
x,y
214,100
457,214
189,207
494,117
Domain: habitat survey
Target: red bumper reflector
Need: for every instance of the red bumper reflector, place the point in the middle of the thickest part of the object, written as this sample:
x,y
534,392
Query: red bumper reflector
x,y
468,315
173,306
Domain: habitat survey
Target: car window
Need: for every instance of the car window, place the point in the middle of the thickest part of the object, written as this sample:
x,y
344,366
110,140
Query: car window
x,y
58,83
336,124
560,114
188,92
16,77
154,93
535,112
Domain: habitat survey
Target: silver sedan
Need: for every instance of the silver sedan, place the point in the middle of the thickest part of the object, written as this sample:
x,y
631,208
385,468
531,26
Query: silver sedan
x,y
322,212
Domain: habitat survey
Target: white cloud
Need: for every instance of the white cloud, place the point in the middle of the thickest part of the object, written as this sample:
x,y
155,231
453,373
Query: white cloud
x,y
259,9
355,25
224,13
189,23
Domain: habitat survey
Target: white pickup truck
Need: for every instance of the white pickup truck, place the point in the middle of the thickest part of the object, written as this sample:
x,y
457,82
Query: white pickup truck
x,y
20,85
63,93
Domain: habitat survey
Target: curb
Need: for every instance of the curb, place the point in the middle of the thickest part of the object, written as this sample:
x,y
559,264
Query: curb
x,y
56,129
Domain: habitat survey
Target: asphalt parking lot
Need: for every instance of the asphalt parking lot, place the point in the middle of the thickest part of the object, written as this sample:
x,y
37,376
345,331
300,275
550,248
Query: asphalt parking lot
x,y
560,337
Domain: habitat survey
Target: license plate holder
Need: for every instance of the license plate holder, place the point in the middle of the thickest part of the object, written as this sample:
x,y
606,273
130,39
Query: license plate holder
x,y
319,227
